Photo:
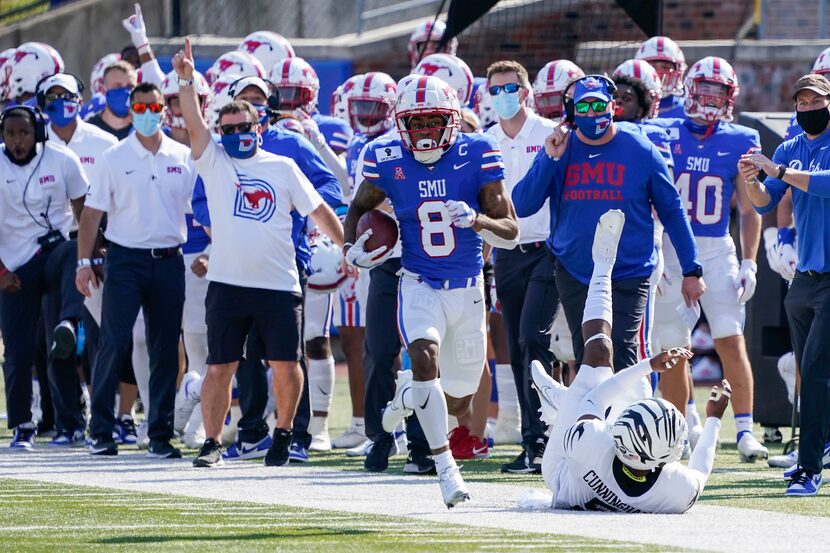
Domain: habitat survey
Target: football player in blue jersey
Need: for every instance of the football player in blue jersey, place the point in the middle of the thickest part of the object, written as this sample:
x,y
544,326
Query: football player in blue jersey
x,y
447,191
667,58
706,146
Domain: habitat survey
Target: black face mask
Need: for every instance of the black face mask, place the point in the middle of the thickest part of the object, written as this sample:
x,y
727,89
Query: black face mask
x,y
813,121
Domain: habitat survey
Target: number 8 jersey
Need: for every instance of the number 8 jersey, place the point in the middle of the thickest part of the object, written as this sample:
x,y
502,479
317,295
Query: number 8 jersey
x,y
705,170
432,246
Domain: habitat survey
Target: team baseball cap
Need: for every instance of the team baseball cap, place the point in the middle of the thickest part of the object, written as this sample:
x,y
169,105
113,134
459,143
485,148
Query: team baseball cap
x,y
241,84
69,82
591,87
815,82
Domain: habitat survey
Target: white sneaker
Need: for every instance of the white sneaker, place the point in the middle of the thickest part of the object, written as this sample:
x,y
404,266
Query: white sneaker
x,y
453,487
319,430
142,439
786,461
607,236
751,449
400,440
352,437
395,411
547,388
694,435
187,398
360,450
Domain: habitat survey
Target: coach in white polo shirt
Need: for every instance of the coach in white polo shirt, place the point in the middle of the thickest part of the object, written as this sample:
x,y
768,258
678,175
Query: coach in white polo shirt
x,y
524,275
39,179
145,185
252,273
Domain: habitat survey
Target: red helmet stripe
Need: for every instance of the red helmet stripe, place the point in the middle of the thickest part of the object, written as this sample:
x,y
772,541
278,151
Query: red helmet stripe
x,y
552,73
716,66
286,69
421,91
367,84
637,74
660,45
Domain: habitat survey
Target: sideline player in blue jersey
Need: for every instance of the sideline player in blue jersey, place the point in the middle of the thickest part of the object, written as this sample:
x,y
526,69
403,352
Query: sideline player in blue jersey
x,y
800,165
606,166
447,191
706,146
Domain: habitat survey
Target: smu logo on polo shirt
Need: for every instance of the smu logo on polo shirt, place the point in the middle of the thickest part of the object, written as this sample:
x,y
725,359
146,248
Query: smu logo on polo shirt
x,y
254,199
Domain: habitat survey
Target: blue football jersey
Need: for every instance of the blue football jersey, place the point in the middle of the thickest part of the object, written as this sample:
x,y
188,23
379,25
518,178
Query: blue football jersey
x,y
336,131
793,128
705,171
356,145
432,246
656,135
671,107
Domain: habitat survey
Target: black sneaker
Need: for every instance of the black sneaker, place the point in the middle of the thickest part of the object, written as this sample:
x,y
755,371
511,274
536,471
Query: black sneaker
x,y
377,460
277,455
161,449
518,466
63,340
535,454
102,445
772,435
419,462
210,455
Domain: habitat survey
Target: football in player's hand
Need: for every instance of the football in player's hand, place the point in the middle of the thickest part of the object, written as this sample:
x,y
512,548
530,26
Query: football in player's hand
x,y
384,229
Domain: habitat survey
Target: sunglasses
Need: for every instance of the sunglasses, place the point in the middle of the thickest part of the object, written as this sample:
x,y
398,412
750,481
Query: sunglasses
x,y
597,105
54,96
140,108
237,128
510,88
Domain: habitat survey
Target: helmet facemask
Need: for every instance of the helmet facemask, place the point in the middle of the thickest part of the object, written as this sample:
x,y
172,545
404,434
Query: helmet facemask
x,y
370,116
709,100
550,105
296,97
429,141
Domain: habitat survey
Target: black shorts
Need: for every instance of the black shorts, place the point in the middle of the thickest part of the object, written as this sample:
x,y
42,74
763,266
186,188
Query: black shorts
x,y
230,311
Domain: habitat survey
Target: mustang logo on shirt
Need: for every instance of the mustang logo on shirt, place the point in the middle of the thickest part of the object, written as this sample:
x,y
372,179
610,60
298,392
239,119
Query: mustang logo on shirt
x,y
254,199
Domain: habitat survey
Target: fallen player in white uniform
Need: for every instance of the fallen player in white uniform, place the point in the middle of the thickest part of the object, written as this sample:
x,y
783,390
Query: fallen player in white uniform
x,y
631,466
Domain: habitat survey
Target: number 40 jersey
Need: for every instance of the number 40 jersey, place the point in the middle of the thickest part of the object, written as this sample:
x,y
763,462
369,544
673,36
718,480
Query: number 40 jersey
x,y
705,170
432,246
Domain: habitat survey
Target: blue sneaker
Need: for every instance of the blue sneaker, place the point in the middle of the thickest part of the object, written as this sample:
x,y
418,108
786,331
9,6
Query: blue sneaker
x,y
804,484
125,432
297,453
790,472
245,450
65,438
24,437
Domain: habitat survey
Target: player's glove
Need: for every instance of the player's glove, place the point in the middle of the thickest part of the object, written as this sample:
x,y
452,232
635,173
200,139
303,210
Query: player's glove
x,y
357,256
771,249
312,132
135,26
746,280
787,254
461,214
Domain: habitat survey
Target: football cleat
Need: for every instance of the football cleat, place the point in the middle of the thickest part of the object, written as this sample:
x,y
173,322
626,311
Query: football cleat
x,y
395,411
749,449
546,387
319,430
452,486
607,236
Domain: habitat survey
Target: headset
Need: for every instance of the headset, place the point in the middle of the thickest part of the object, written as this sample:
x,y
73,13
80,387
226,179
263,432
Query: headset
x,y
569,103
40,95
40,122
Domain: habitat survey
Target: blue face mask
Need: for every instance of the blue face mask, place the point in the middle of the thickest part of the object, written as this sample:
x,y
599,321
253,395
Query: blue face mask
x,y
593,126
147,123
262,111
506,105
240,145
118,100
62,112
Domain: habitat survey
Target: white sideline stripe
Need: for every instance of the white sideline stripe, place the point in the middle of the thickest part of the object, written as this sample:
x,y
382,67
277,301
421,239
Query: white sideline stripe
x,y
712,528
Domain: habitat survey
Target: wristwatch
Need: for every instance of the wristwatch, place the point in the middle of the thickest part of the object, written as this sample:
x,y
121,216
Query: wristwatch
x,y
696,272
782,170
185,82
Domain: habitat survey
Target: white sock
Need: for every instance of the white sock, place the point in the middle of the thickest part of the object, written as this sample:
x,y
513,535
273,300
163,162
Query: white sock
x,y
692,416
443,460
598,304
358,424
508,396
430,406
321,383
743,423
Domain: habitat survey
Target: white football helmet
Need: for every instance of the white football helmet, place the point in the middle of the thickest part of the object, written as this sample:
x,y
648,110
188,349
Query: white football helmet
x,y
31,62
643,71
711,108
451,70
549,87
6,57
428,96
371,103
170,89
649,434
267,47
326,264
237,63
340,98
220,96
96,78
297,84
822,64
427,31
662,48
